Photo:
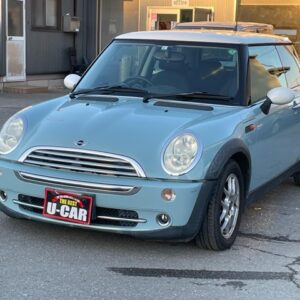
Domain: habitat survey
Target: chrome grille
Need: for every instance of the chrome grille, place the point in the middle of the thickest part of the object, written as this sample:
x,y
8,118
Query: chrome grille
x,y
84,161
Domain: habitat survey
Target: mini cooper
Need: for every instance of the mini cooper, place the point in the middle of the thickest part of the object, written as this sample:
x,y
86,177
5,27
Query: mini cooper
x,y
167,136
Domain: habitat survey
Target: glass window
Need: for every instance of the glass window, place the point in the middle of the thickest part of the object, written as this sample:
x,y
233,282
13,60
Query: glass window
x,y
186,15
167,68
45,14
51,15
15,18
290,64
265,70
203,14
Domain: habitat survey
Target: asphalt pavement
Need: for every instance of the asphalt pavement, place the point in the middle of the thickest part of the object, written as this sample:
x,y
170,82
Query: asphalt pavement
x,y
42,261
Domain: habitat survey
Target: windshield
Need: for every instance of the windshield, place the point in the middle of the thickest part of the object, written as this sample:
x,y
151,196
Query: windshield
x,y
162,67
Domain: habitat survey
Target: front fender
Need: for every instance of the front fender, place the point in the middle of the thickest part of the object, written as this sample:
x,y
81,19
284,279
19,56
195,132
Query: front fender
x,y
233,148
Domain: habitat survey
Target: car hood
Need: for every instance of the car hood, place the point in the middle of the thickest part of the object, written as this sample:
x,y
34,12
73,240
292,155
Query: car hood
x,y
128,127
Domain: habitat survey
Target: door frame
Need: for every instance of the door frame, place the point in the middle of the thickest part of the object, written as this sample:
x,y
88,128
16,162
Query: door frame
x,y
161,10
23,38
172,11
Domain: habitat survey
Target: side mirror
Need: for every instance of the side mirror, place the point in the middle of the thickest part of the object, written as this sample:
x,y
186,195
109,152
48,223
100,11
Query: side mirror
x,y
71,80
278,96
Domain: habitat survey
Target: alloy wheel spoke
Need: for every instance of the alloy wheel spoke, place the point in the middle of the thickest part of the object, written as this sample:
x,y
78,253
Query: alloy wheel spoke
x,y
227,193
231,220
225,224
230,206
233,186
223,215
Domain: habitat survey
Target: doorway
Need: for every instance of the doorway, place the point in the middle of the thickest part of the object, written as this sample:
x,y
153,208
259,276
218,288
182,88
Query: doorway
x,y
15,41
166,21
162,18
166,18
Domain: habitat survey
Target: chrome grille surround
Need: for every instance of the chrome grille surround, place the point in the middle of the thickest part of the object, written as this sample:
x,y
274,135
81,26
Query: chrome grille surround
x,y
83,161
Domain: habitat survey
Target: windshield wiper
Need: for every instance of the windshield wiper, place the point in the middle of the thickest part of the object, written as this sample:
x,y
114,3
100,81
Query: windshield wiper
x,y
187,96
111,89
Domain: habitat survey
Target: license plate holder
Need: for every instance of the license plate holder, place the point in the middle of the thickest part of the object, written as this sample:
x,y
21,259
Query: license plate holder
x,y
69,207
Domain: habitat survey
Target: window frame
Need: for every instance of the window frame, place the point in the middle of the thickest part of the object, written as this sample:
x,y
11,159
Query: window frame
x,y
44,27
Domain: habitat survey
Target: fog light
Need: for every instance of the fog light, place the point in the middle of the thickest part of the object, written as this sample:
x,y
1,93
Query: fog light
x,y
168,194
163,220
3,196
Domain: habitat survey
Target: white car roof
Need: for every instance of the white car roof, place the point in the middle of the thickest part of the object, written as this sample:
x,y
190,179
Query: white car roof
x,y
209,36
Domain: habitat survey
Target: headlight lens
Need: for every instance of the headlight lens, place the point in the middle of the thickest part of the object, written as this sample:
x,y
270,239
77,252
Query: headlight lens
x,y
10,134
180,154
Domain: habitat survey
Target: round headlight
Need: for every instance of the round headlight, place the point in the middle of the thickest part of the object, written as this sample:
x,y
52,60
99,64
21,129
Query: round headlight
x,y
10,134
180,155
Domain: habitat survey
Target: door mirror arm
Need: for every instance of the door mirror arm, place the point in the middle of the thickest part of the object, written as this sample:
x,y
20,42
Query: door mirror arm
x,y
266,106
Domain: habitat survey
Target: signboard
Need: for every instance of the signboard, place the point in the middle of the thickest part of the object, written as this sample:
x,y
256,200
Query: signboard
x,y
180,3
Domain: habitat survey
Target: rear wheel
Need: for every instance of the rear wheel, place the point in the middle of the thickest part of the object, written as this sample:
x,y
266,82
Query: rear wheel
x,y
222,220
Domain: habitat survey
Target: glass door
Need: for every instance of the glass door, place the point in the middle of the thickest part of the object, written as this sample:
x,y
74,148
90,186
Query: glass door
x,y
15,40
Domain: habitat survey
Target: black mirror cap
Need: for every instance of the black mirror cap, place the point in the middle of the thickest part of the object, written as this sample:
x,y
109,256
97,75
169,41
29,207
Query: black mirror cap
x,y
265,107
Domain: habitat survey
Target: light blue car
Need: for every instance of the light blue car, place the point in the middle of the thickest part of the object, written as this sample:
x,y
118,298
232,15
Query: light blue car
x,y
167,136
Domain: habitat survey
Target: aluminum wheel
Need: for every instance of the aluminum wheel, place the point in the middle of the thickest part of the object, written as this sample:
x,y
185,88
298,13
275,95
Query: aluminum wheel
x,y
230,206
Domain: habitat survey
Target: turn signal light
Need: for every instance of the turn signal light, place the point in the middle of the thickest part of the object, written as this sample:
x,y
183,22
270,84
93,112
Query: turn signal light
x,y
168,195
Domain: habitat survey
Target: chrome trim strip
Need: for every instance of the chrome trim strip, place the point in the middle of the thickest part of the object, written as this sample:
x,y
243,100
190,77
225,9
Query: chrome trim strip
x,y
68,154
136,166
107,228
27,204
122,219
82,169
77,184
98,217
73,161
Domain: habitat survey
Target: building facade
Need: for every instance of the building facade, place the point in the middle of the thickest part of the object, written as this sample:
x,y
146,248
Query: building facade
x,y
119,16
283,15
43,39
40,38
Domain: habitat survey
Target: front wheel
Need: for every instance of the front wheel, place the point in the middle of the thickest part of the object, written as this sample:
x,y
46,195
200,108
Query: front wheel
x,y
222,220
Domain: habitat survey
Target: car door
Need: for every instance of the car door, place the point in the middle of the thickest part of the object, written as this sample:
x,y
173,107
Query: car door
x,y
273,139
289,59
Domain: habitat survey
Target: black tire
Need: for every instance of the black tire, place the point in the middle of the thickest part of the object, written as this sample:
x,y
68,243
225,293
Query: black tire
x,y
296,177
210,235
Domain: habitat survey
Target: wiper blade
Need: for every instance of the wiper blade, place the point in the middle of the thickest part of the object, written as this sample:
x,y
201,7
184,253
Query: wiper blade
x,y
112,89
187,96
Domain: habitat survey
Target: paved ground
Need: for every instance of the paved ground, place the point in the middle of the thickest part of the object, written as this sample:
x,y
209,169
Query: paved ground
x,y
41,261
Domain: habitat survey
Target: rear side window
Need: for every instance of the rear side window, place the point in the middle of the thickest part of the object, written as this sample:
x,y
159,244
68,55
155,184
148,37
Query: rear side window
x,y
265,70
291,65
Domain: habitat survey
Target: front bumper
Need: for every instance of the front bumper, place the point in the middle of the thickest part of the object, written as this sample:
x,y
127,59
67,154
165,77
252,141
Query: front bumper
x,y
186,211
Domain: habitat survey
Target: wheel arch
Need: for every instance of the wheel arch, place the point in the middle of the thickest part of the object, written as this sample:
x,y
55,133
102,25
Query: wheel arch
x,y
234,149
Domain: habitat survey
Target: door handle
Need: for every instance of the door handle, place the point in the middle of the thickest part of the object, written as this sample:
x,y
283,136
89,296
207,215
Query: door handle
x,y
9,38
